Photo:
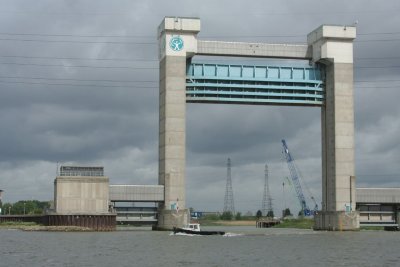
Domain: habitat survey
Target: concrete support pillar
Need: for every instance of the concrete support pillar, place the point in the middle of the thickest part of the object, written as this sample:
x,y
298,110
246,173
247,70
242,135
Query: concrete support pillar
x,y
333,47
177,42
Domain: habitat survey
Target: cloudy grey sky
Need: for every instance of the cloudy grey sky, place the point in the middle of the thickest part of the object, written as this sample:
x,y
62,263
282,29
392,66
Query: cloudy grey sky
x,y
78,85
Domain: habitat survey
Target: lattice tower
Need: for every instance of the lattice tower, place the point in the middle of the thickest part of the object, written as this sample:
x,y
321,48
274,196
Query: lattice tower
x,y
267,199
228,201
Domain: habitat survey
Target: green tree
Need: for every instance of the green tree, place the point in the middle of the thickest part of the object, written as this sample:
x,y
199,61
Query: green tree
x,y
7,209
227,216
28,207
238,216
210,217
258,214
286,212
270,214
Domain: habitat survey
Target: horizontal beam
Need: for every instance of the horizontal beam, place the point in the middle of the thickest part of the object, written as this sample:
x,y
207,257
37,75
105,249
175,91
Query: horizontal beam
x,y
254,85
279,102
257,73
136,193
136,219
379,224
241,49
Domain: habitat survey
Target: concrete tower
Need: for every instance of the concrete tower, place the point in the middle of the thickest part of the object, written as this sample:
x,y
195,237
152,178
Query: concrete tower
x,y
177,41
333,47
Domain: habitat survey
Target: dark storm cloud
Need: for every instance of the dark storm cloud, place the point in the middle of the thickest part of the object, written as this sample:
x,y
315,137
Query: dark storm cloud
x,y
102,114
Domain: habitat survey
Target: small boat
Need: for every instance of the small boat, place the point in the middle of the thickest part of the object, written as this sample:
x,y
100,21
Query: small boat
x,y
194,229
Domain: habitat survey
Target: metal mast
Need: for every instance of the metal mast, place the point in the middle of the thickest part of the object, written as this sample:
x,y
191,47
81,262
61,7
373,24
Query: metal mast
x,y
267,199
228,202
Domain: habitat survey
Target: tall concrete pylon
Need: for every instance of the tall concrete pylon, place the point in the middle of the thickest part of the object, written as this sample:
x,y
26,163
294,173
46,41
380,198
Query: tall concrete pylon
x,y
177,40
331,46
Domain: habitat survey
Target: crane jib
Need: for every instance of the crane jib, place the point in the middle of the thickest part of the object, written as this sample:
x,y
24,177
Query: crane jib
x,y
296,182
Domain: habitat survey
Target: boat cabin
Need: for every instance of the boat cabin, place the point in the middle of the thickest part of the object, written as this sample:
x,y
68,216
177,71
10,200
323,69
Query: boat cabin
x,y
192,227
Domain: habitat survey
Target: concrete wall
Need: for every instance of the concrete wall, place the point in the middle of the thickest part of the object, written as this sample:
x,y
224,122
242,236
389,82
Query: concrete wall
x,y
140,193
81,195
378,195
288,51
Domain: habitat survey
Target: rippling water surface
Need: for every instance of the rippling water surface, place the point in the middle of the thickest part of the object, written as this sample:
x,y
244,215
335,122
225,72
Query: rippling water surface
x,y
243,246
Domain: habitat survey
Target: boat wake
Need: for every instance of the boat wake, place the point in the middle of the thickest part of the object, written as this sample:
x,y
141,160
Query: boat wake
x,y
232,234
182,234
225,235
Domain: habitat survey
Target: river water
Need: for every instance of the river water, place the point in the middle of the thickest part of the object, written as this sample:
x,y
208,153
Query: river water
x,y
243,246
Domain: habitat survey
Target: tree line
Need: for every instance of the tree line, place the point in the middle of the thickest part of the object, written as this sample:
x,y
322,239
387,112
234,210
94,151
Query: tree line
x,y
25,207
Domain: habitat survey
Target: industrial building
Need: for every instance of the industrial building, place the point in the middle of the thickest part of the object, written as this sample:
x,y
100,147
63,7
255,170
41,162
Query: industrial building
x,y
379,206
81,198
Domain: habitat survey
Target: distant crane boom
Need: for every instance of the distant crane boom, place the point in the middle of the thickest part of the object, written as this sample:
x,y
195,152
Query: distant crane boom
x,y
296,180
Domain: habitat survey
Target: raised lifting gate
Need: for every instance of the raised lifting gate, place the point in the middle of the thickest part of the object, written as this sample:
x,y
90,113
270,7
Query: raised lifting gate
x,y
255,84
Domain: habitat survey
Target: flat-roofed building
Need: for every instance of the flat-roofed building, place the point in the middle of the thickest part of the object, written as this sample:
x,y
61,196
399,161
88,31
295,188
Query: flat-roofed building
x,y
81,190
379,206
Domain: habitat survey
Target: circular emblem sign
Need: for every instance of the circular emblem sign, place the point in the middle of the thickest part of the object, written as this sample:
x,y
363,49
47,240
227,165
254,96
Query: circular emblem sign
x,y
176,43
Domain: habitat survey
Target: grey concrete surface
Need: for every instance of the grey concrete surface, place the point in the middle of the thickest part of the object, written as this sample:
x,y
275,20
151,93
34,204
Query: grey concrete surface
x,y
287,51
81,195
140,193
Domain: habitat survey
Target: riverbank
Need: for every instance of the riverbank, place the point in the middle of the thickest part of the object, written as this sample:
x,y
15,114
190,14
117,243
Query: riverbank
x,y
228,223
293,223
27,226
296,224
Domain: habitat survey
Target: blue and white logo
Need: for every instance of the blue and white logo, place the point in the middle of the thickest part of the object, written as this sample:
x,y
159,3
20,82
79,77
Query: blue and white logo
x,y
176,43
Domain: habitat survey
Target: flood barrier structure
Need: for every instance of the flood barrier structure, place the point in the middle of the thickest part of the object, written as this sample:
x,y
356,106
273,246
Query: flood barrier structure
x,y
327,83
